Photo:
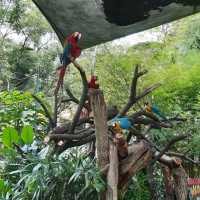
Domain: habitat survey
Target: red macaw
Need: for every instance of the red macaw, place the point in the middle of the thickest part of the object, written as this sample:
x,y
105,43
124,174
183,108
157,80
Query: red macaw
x,y
92,83
71,52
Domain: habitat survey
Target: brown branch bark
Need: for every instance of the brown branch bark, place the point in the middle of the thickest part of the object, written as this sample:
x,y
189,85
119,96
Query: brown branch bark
x,y
55,108
139,157
83,98
168,182
152,182
168,146
100,119
113,173
77,136
184,157
168,161
147,91
83,141
71,96
180,183
132,97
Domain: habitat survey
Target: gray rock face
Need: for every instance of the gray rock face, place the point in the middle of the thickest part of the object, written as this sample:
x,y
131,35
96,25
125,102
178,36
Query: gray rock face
x,y
104,20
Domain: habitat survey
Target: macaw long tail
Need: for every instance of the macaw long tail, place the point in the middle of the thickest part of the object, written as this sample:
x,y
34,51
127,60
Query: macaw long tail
x,y
61,79
162,116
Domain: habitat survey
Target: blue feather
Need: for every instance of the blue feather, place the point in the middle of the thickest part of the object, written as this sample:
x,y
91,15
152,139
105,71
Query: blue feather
x,y
124,122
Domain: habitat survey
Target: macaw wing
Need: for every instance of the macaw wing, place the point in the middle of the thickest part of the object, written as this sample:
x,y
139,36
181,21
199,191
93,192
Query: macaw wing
x,y
155,109
125,123
67,51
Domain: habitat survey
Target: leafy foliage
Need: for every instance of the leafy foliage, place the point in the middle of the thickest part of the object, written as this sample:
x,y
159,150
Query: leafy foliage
x,y
10,136
27,134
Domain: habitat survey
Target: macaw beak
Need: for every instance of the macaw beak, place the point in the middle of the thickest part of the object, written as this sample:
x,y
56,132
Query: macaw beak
x,y
79,36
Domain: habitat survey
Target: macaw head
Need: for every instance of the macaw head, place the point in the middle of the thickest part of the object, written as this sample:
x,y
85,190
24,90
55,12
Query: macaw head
x,y
93,77
148,107
117,127
77,36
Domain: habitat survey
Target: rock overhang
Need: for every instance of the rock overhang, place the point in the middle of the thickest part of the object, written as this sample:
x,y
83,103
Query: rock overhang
x,y
100,21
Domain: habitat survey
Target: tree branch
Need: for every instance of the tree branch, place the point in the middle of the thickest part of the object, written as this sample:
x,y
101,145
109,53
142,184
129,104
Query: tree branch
x,y
168,146
77,136
132,97
184,157
71,96
83,98
147,91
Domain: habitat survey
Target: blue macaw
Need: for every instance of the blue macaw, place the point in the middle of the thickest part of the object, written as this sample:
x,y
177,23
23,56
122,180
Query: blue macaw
x,y
124,122
154,109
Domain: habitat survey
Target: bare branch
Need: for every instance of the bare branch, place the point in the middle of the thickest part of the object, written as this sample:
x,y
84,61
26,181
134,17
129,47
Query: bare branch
x,y
84,141
132,97
155,124
72,97
65,128
184,157
77,136
168,146
147,91
84,97
134,82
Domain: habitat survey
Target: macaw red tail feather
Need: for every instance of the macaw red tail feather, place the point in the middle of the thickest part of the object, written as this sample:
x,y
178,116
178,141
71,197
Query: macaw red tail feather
x,y
62,70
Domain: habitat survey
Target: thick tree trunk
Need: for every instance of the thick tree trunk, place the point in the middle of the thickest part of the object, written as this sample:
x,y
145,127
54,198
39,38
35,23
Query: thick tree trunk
x,y
180,183
101,129
168,181
112,178
139,157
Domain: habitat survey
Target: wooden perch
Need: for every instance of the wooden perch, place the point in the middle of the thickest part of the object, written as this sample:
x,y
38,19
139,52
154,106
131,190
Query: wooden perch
x,y
175,180
76,136
184,157
83,98
113,174
168,146
155,124
100,120
112,111
46,111
180,183
139,157
71,96
168,182
81,142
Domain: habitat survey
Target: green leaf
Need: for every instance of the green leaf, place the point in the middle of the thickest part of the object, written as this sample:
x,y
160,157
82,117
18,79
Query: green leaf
x,y
10,136
2,184
27,134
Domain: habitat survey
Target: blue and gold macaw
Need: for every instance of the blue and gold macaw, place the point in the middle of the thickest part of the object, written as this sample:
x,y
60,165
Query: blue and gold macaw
x,y
124,122
154,109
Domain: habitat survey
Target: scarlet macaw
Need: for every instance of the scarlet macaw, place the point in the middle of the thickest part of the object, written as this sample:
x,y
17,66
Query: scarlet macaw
x,y
71,52
92,83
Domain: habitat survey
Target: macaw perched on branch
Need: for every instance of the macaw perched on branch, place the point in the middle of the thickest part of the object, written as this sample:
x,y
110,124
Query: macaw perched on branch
x,y
70,53
124,122
120,141
154,109
92,84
